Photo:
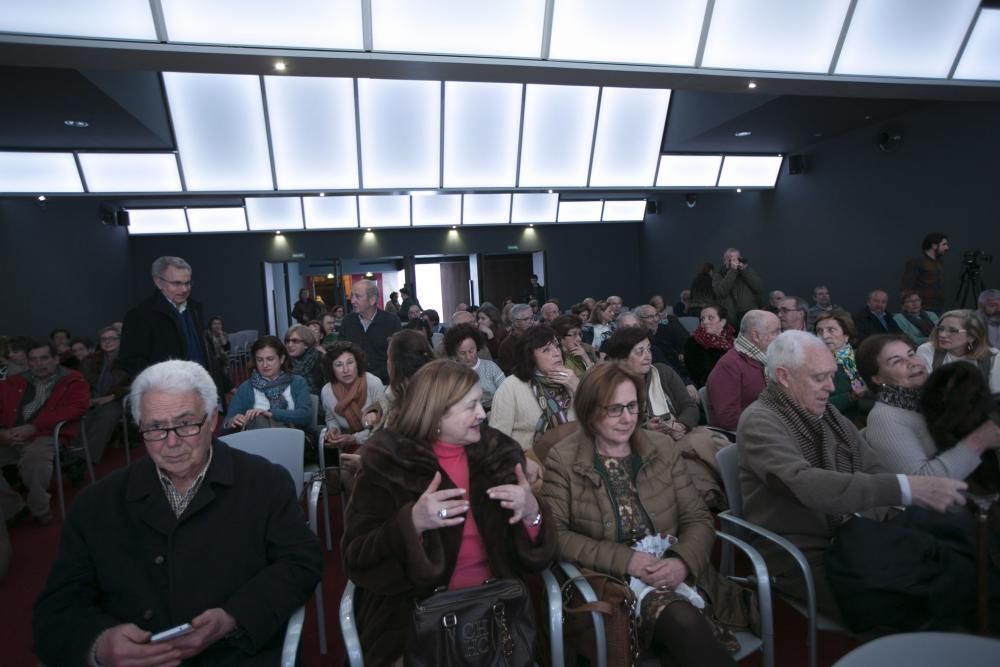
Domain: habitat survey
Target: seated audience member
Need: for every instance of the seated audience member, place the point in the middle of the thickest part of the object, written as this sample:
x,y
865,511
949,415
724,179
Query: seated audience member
x,y
682,306
710,340
434,320
582,311
331,333
108,385
490,324
350,393
413,311
538,396
408,351
317,330
218,341
836,330
668,336
658,304
306,308
521,320
615,304
801,466
577,355
914,322
961,336
17,355
989,310
304,357
822,303
610,485
793,313
670,410
273,395
737,286
600,326
548,312
392,305
338,316
897,431
441,501
774,299
874,318
196,532
461,344
61,338
466,317
738,378
81,348
420,325
31,404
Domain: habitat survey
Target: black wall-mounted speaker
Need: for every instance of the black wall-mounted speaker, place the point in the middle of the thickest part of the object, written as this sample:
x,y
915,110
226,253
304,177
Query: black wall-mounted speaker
x,y
652,207
796,164
113,216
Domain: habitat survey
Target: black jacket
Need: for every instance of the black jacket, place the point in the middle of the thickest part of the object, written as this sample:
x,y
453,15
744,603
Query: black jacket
x,y
868,325
375,341
152,333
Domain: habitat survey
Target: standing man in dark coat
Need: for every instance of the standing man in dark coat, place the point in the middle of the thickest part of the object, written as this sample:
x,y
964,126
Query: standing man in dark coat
x,y
370,327
925,275
167,325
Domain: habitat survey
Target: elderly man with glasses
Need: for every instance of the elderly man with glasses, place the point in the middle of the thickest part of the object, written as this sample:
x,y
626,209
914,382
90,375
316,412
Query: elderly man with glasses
x,y
195,533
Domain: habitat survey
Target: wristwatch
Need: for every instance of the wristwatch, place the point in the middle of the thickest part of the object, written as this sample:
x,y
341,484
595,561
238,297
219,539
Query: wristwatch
x,y
537,521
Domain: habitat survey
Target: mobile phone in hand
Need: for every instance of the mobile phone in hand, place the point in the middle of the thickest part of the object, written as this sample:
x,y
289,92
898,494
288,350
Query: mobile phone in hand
x,y
172,633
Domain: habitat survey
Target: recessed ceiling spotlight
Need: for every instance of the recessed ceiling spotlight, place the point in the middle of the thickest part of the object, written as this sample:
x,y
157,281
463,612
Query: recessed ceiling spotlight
x,y
751,85
868,116
369,229
531,225
454,227
322,194
330,276
743,133
280,66
550,191
76,123
277,233
739,190
41,197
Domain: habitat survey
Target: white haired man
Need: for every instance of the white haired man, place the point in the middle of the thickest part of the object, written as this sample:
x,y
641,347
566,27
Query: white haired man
x,y
196,532
738,377
800,463
370,328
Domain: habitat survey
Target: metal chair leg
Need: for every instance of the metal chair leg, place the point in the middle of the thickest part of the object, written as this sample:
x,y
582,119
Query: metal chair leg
x,y
58,464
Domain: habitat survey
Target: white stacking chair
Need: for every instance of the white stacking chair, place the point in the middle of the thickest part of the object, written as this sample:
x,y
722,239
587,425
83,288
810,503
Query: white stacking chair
x,y
285,446
925,649
57,458
314,472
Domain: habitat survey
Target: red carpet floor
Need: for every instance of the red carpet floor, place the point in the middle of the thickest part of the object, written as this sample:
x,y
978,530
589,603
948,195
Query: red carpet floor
x,y
35,548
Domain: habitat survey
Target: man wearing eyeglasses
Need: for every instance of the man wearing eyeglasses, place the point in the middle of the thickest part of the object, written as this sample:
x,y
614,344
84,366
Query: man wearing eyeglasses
x,y
196,532
167,325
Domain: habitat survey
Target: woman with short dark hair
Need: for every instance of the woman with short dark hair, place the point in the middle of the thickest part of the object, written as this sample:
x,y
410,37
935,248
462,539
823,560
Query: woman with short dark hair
x,y
577,355
836,330
350,392
711,339
461,344
273,395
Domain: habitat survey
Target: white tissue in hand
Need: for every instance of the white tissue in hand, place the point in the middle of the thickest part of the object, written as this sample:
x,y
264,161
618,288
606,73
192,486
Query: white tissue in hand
x,y
656,546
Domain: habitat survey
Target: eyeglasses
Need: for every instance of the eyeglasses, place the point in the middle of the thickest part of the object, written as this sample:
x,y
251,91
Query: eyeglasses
x,y
616,409
294,340
177,284
522,319
951,331
182,431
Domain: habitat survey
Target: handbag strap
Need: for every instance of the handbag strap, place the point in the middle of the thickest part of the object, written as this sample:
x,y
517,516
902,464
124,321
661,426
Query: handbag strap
x,y
604,607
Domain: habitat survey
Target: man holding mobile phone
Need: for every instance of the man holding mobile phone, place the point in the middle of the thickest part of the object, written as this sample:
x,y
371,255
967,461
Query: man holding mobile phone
x,y
195,533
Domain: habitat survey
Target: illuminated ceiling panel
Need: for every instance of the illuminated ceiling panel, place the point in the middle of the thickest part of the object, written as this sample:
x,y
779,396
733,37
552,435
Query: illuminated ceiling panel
x,y
313,134
331,212
629,131
39,173
749,171
491,209
915,38
481,123
534,207
981,58
580,211
316,24
219,123
217,219
624,211
273,213
774,35
512,28
688,171
557,134
111,19
130,172
431,210
651,32
384,210
400,133
157,221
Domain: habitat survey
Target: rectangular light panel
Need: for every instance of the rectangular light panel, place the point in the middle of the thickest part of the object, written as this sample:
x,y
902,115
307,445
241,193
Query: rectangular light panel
x,y
701,171
629,131
481,124
624,211
130,172
400,133
512,28
492,209
219,123
273,213
981,58
534,207
317,24
774,35
580,211
557,134
651,32
750,171
112,19
384,210
157,221
313,134
340,212
39,173
911,38
217,219
431,210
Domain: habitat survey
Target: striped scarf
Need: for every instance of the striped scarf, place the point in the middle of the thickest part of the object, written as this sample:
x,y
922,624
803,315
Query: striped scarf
x,y
744,346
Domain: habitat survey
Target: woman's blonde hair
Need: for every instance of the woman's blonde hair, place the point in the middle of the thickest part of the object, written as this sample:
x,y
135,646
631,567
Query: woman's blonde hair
x,y
979,346
433,389
304,332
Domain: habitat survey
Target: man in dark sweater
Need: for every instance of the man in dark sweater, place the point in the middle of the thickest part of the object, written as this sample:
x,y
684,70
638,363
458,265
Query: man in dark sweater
x,y
370,327
925,275
875,318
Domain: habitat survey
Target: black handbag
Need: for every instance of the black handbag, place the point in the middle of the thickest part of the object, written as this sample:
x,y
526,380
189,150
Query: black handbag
x,y
488,625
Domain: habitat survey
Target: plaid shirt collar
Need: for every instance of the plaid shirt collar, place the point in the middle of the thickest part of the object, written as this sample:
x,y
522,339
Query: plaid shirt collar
x,y
180,501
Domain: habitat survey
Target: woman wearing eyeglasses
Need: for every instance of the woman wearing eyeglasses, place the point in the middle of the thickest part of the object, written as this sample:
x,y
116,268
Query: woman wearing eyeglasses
x,y
577,355
961,336
273,396
610,485
305,359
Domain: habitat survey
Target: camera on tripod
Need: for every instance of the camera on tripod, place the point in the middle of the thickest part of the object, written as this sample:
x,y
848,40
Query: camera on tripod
x,y
973,257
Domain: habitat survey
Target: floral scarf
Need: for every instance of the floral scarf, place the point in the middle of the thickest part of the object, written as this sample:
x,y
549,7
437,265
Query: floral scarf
x,y
723,341
553,399
845,359
274,389
900,397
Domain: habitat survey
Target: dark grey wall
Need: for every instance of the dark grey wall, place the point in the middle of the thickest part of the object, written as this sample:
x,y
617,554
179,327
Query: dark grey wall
x,y
581,260
854,218
61,268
